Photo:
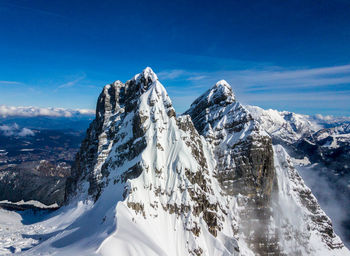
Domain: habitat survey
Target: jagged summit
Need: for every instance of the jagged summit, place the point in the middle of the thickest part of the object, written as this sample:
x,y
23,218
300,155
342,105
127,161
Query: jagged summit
x,y
206,107
117,93
221,92
223,87
216,103
147,74
135,86
145,79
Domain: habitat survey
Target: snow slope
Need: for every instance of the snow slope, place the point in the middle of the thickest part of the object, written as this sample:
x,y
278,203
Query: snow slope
x,y
286,126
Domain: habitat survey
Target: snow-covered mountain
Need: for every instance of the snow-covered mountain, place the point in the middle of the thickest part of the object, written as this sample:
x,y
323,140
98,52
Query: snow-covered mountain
x,y
278,211
288,127
149,182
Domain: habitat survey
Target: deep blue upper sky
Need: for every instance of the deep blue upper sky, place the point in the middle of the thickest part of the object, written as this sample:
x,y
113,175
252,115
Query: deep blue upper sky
x,y
288,55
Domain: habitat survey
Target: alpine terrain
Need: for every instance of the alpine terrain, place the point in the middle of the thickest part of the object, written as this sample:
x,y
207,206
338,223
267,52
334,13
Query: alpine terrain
x,y
217,180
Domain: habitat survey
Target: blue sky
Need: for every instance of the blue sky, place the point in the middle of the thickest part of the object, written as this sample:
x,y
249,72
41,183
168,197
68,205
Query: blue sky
x,y
286,55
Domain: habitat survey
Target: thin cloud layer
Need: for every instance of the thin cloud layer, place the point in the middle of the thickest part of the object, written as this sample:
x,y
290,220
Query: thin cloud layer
x,y
9,83
269,77
6,111
72,82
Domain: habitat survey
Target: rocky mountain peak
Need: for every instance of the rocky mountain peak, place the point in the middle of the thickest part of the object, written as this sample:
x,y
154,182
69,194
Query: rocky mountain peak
x,y
148,74
221,92
145,79
117,95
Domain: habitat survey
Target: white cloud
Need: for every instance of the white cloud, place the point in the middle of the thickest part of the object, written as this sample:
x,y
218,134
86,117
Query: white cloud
x,y
180,74
14,130
331,118
171,74
35,111
325,118
196,78
26,132
7,130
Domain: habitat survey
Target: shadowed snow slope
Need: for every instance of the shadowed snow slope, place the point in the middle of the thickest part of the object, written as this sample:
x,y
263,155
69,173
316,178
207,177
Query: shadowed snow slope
x,y
147,182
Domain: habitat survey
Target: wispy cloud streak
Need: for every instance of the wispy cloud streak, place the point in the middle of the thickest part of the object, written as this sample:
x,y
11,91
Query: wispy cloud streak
x,y
11,7
270,85
9,83
72,82
172,74
269,77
